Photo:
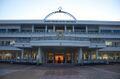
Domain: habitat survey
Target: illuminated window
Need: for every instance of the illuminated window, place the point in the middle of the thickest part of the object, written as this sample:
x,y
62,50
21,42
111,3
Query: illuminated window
x,y
108,43
12,42
105,56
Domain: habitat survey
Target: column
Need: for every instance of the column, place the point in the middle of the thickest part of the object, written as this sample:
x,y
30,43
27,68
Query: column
x,y
99,29
20,29
53,51
46,28
90,54
79,55
65,28
73,29
86,29
39,56
53,28
22,54
71,56
65,61
97,56
45,56
32,28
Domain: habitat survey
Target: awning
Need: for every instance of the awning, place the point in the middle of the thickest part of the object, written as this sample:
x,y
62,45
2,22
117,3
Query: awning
x,y
9,48
110,49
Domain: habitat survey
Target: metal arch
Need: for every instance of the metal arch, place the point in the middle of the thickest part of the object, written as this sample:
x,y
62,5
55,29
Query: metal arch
x,y
59,12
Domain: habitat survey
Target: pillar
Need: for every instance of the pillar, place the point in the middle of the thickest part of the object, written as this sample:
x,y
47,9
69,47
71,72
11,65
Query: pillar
x,y
20,29
65,28
65,57
97,56
22,54
53,56
99,29
73,29
39,56
71,56
90,55
32,28
80,55
53,28
86,29
46,28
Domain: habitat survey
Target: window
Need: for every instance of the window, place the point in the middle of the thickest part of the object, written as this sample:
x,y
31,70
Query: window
x,y
116,31
12,42
106,31
2,30
6,43
13,30
108,43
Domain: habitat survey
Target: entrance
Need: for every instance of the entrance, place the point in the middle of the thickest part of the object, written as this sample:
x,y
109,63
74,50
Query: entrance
x,y
60,55
59,59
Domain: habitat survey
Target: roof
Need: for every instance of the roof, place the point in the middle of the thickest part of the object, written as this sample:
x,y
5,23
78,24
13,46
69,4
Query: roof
x,y
59,22
9,48
110,49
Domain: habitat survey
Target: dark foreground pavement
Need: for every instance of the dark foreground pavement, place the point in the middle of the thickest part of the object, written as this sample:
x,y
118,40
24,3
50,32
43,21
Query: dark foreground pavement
x,y
13,71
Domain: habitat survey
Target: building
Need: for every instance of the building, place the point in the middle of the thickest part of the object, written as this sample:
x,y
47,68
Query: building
x,y
59,41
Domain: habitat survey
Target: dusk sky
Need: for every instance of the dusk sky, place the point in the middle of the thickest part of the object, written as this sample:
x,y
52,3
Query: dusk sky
x,y
82,9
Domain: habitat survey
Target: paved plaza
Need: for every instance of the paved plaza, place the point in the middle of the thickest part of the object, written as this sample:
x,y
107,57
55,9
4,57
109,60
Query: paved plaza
x,y
14,71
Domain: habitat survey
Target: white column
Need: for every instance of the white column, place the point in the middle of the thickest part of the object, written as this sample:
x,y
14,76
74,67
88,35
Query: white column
x,y
97,56
86,29
99,30
22,54
53,28
32,28
20,29
65,28
46,28
73,29
90,54
39,56
79,55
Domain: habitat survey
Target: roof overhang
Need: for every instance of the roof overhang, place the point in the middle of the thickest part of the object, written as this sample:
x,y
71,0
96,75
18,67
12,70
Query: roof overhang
x,y
9,48
59,22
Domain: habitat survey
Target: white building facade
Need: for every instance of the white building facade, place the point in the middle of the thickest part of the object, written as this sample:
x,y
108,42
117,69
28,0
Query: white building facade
x,y
59,41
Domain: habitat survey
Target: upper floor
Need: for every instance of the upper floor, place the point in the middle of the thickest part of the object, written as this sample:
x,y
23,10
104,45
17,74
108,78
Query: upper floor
x,y
40,26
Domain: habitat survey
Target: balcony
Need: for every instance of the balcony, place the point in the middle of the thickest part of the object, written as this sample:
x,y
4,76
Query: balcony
x,y
60,43
76,34
97,45
23,45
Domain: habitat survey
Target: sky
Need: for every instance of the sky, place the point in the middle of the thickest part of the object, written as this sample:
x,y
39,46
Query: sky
x,y
105,10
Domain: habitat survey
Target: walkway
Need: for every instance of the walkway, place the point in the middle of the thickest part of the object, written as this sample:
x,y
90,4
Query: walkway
x,y
13,71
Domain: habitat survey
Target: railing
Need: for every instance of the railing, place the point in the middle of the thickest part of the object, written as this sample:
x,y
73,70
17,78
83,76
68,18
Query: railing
x,y
83,62
43,32
60,38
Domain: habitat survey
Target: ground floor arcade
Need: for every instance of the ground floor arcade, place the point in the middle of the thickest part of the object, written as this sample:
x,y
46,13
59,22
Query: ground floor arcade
x,y
58,55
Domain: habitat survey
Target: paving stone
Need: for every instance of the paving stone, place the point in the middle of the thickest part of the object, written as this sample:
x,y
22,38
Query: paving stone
x,y
11,71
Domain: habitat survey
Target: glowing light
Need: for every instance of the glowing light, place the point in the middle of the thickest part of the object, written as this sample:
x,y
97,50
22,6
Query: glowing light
x,y
105,56
59,57
8,55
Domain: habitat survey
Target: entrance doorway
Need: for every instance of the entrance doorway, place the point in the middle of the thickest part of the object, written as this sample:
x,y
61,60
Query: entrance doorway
x,y
59,59
60,55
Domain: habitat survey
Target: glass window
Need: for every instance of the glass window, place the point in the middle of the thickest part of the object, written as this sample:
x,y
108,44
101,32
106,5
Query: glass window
x,y
108,43
13,30
116,31
12,42
106,31
2,30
